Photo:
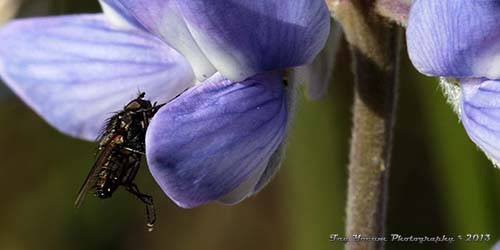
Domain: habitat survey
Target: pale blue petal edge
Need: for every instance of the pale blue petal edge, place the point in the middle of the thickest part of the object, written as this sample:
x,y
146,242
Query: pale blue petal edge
x,y
75,71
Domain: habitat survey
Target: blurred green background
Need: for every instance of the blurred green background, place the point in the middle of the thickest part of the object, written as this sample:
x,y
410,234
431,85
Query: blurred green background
x,y
440,183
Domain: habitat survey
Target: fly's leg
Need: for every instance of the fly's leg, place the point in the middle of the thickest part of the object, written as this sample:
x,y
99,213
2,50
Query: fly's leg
x,y
144,198
157,107
135,161
133,150
147,200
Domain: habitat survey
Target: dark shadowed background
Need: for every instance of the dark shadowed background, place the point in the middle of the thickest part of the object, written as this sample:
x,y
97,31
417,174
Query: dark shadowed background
x,y
440,184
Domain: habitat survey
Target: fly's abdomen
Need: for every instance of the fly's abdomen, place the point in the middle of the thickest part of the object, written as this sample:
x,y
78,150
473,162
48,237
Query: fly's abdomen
x,y
111,174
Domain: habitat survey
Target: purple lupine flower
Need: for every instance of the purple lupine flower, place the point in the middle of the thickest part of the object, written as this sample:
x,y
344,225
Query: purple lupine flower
x,y
218,140
461,39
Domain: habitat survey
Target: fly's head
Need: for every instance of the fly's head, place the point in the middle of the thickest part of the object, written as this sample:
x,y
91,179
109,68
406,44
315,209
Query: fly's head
x,y
139,104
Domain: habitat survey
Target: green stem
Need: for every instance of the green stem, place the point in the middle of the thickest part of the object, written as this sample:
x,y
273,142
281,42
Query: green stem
x,y
375,49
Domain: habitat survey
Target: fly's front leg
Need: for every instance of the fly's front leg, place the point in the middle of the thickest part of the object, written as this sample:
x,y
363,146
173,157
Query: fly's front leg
x,y
133,150
157,107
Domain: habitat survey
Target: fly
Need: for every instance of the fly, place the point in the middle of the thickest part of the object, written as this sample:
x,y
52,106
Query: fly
x,y
120,151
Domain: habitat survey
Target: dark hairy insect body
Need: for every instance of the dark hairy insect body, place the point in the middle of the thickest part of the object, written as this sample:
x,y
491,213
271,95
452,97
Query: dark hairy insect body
x,y
121,147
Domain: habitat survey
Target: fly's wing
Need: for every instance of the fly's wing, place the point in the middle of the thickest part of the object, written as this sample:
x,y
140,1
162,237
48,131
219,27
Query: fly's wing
x,y
92,176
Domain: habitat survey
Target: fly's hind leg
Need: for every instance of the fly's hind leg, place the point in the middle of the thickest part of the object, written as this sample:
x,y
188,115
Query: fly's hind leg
x,y
147,200
144,198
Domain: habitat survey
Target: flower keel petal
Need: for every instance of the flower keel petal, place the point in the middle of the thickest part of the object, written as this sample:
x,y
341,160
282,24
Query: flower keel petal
x,y
215,141
76,70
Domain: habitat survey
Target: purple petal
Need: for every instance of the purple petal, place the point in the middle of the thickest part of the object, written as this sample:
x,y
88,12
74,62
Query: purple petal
x,y
215,141
118,15
480,105
455,38
76,70
242,38
162,18
274,163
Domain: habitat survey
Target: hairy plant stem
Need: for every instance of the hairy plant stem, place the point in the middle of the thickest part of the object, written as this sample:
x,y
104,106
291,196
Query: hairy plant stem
x,y
375,49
